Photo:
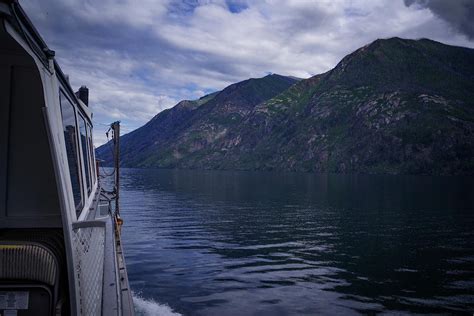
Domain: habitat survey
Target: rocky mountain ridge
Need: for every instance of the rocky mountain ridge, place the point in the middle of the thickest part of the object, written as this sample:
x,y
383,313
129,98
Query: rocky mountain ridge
x,y
394,106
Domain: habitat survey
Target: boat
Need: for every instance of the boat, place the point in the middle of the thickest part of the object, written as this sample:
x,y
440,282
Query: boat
x,y
60,225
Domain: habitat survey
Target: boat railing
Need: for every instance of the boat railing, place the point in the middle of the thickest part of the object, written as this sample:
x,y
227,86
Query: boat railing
x,y
89,244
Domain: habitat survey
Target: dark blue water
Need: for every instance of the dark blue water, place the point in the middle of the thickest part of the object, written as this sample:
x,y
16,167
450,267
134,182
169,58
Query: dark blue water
x,y
249,243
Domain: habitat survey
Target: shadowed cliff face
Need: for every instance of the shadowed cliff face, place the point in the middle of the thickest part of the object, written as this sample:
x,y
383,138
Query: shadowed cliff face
x,y
394,106
191,126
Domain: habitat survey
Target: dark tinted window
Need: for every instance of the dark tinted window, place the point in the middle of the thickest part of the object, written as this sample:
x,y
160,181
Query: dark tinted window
x,y
91,151
85,151
70,137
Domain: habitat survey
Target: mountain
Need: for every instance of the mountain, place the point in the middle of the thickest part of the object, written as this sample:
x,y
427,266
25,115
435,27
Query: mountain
x,y
186,130
394,106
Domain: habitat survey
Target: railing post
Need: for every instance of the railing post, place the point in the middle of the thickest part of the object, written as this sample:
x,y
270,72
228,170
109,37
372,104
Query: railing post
x,y
116,128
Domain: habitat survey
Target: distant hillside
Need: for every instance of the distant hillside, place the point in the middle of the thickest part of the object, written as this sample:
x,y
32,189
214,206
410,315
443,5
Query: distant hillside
x,y
190,126
394,106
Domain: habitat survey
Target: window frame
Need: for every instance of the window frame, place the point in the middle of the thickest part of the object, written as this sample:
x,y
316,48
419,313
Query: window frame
x,y
85,155
78,207
91,153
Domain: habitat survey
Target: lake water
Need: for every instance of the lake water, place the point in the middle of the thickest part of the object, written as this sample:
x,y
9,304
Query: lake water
x,y
259,243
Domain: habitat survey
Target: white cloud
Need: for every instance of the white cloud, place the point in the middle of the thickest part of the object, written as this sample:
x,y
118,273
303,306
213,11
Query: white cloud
x,y
139,58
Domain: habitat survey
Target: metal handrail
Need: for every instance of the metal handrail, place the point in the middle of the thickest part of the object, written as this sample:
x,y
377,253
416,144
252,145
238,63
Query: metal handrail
x,y
85,224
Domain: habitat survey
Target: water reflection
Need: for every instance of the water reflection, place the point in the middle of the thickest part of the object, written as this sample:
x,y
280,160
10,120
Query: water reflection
x,y
233,243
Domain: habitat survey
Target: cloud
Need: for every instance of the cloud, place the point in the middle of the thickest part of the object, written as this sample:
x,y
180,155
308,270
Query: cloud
x,y
139,58
458,13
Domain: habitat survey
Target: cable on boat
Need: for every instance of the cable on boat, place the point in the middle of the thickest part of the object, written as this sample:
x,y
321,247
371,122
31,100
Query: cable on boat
x,y
113,194
109,145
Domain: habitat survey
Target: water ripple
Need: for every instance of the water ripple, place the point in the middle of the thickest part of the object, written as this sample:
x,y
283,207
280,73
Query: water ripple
x,y
220,243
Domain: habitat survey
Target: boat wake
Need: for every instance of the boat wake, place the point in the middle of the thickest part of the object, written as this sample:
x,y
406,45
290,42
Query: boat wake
x,y
148,307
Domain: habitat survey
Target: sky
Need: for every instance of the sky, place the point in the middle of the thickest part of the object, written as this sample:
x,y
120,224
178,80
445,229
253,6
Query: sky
x,y
140,57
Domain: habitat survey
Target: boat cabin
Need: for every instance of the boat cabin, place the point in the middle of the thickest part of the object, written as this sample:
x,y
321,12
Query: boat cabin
x,y
60,249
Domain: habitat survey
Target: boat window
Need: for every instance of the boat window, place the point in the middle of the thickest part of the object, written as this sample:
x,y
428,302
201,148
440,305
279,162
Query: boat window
x,y
91,151
85,151
70,136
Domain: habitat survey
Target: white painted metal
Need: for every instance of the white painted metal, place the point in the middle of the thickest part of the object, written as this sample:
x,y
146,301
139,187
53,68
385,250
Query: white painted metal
x,y
88,245
84,244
